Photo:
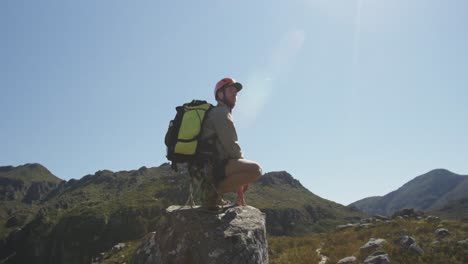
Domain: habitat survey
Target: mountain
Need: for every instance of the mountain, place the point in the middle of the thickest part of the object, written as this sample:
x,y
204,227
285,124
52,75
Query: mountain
x,y
27,183
291,209
21,189
425,192
81,218
456,209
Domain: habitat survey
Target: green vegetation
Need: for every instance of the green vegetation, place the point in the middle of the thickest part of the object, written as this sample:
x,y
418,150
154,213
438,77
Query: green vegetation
x,y
294,249
19,201
101,210
28,173
457,209
344,243
124,255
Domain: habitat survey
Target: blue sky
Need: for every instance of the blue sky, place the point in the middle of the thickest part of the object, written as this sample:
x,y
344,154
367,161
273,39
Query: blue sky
x,y
353,98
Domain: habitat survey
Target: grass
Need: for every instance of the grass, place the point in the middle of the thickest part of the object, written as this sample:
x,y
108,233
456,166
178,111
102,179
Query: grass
x,y
293,249
340,244
124,255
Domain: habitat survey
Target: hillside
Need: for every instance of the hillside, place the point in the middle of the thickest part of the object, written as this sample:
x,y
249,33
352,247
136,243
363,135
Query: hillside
x,y
425,192
291,209
423,240
457,209
21,190
81,218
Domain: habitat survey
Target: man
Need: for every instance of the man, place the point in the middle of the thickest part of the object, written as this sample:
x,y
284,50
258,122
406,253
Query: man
x,y
231,171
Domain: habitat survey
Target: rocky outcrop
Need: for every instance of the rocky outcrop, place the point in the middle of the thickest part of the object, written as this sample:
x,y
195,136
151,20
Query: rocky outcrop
x,y
279,177
39,190
282,221
187,235
75,239
27,183
10,189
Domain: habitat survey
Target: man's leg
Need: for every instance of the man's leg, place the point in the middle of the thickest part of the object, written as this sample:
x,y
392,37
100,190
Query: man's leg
x,y
240,195
239,173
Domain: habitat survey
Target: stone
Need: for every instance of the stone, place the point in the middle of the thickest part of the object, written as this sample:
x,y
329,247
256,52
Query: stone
x,y
118,247
373,244
323,259
378,257
343,227
409,243
432,219
190,235
415,249
442,232
463,243
381,217
347,260
406,241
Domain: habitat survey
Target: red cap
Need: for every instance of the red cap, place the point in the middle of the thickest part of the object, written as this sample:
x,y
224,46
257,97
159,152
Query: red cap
x,y
225,83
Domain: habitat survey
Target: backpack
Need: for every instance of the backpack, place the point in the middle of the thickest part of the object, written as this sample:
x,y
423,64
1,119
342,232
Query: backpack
x,y
183,135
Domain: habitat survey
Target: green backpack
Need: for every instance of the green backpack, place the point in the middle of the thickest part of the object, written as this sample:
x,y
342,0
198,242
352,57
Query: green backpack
x,y
183,135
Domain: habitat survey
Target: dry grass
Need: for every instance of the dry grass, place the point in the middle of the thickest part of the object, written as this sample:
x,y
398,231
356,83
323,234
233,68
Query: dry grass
x,y
340,244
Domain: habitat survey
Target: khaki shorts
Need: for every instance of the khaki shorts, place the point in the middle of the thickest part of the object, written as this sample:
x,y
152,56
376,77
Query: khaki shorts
x,y
219,171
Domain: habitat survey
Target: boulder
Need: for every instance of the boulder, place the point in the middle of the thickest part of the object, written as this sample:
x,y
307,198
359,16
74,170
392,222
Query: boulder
x,y
343,227
433,219
118,247
463,243
409,243
190,235
415,249
442,232
381,217
373,244
347,260
405,241
408,213
378,257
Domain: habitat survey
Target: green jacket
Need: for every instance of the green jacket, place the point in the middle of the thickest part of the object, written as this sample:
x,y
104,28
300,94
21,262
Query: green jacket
x,y
219,127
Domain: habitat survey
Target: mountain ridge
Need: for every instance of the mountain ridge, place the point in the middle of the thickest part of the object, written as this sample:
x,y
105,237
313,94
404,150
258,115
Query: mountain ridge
x,y
425,192
81,218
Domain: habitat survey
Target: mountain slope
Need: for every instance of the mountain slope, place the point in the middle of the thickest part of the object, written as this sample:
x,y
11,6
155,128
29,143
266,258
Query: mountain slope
x,y
81,218
367,204
425,192
21,189
291,209
455,209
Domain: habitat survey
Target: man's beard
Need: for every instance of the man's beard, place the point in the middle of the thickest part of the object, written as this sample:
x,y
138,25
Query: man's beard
x,y
229,103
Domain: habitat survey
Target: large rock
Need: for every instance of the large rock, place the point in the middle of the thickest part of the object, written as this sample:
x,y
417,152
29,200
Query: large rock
x,y
373,244
409,243
442,233
347,260
188,235
378,257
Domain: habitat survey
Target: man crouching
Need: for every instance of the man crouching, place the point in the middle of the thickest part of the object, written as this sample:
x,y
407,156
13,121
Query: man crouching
x,y
231,171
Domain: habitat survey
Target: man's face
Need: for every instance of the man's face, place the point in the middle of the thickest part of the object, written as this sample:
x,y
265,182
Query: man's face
x,y
231,95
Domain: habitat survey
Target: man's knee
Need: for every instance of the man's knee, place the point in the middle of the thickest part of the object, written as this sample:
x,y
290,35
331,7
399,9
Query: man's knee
x,y
257,171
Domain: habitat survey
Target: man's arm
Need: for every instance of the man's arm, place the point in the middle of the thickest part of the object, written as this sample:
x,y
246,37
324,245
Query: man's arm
x,y
226,131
